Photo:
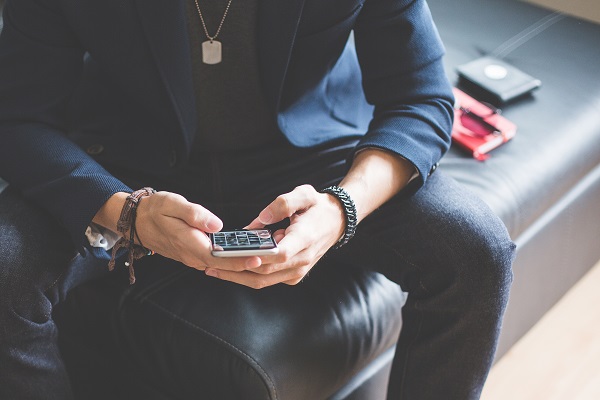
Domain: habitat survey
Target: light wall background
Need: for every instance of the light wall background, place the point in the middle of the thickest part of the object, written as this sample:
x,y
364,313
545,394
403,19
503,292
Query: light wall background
x,y
586,9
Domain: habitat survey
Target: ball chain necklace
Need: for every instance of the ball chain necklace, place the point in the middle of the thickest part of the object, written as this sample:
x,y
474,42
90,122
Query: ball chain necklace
x,y
211,49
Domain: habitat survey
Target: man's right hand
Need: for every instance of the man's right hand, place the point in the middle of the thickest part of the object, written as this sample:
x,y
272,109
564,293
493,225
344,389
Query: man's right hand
x,y
175,228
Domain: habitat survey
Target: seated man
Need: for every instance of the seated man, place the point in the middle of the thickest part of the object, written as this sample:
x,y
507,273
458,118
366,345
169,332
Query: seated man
x,y
250,114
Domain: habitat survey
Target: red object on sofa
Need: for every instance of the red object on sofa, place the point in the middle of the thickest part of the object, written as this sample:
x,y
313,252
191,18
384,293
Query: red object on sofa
x,y
478,127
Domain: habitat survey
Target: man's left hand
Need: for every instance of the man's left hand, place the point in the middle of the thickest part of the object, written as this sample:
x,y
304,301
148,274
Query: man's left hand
x,y
317,222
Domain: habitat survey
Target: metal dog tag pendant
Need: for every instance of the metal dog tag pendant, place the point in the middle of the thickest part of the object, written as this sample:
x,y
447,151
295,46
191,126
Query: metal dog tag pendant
x,y
211,52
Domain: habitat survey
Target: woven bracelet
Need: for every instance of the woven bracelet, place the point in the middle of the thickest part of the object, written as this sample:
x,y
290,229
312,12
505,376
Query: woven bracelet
x,y
127,223
349,213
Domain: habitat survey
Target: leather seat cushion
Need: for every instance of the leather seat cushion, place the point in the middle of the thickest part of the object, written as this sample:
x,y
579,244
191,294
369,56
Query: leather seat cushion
x,y
558,136
179,332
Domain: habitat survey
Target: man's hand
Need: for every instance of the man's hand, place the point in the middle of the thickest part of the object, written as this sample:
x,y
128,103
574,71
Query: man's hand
x,y
175,228
316,223
317,220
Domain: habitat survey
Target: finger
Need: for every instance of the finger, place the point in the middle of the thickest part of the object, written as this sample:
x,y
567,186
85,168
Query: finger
x,y
301,260
256,224
279,235
285,205
193,214
168,235
233,264
184,243
295,281
193,248
257,281
290,246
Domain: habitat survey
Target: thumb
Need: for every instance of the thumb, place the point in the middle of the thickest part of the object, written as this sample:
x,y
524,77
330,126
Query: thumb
x,y
256,224
199,217
265,218
288,204
207,221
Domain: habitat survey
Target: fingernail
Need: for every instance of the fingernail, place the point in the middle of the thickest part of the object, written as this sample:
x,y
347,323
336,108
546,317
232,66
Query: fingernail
x,y
250,264
265,217
211,272
214,225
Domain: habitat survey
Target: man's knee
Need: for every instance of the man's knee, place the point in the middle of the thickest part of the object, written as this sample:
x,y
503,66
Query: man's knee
x,y
467,239
482,251
33,252
488,253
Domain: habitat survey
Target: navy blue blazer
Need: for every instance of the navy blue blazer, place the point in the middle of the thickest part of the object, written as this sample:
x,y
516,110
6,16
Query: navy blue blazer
x,y
76,74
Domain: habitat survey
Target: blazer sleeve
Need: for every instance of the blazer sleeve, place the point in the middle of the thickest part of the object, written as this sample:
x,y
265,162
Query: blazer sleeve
x,y
400,54
40,64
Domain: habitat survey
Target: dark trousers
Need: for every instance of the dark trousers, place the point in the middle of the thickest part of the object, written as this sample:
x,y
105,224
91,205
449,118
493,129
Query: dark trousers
x,y
442,245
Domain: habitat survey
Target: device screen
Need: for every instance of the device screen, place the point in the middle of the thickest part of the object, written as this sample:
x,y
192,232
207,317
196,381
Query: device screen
x,y
243,242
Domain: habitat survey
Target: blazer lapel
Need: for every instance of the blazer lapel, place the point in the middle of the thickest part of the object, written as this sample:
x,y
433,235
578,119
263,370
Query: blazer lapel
x,y
278,21
165,28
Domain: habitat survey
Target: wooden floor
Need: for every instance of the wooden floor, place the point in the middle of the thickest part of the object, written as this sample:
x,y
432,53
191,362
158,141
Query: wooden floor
x,y
559,359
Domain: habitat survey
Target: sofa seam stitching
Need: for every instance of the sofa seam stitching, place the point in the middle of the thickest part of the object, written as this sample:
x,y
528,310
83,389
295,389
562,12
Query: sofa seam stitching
x,y
266,378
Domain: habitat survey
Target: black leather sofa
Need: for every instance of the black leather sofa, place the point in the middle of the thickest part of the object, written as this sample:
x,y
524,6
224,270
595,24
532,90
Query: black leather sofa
x,y
323,340
545,183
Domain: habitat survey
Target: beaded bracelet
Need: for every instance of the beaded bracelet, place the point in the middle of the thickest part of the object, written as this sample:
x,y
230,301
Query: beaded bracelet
x,y
349,213
127,223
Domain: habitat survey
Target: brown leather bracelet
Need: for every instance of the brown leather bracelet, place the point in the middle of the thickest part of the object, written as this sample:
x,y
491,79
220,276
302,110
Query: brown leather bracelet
x,y
126,223
131,203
